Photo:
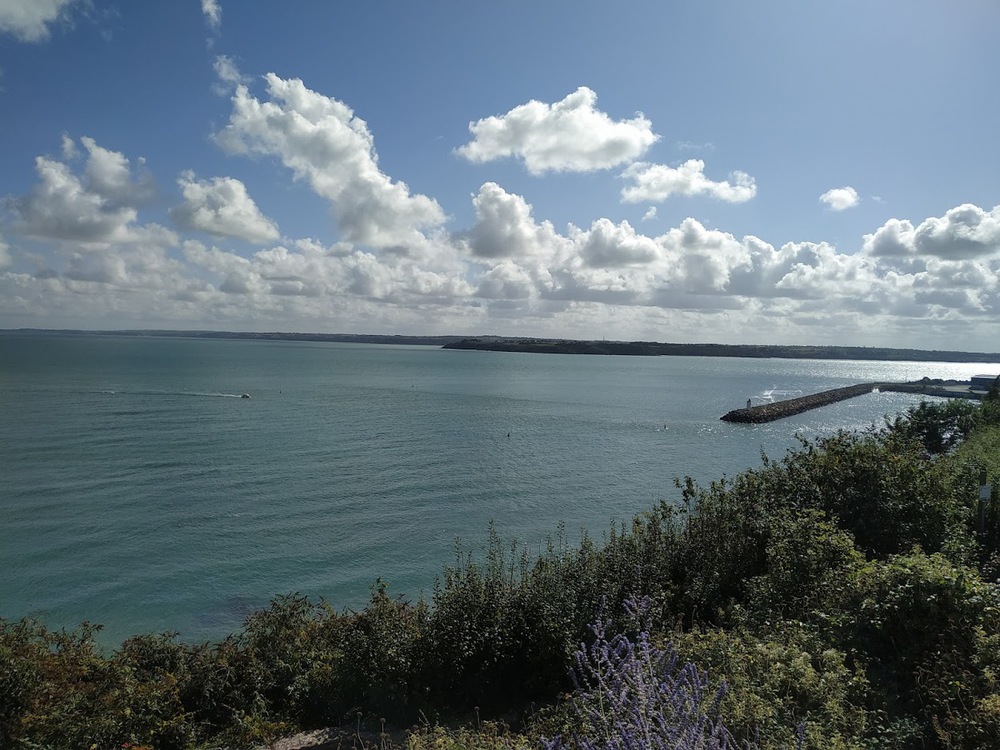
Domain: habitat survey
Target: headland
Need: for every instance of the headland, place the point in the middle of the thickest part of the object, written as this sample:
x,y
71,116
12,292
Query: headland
x,y
758,351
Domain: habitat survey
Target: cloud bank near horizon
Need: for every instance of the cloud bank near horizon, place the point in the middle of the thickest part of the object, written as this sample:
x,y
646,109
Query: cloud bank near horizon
x,y
79,245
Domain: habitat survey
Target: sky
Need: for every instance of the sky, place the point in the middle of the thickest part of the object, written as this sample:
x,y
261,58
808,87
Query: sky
x,y
722,171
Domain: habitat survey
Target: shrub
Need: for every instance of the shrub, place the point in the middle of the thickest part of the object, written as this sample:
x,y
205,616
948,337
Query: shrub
x,y
785,685
937,427
808,561
882,490
632,694
926,632
377,660
487,736
57,690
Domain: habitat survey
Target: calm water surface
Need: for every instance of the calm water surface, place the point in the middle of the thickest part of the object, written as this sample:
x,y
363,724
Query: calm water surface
x,y
138,490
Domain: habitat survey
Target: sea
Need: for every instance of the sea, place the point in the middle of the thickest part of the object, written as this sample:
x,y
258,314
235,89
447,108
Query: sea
x,y
140,490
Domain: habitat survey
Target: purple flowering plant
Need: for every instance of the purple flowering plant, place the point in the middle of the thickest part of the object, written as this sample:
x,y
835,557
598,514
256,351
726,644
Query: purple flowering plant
x,y
632,695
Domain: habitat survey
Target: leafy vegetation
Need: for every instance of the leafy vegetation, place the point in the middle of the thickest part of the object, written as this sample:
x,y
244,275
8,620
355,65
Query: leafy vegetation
x,y
844,596
632,693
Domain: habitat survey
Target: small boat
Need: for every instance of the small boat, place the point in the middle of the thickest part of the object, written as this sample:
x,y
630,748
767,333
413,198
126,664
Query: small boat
x,y
245,395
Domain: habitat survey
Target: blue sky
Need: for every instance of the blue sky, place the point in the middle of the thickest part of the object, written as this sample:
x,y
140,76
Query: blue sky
x,y
773,172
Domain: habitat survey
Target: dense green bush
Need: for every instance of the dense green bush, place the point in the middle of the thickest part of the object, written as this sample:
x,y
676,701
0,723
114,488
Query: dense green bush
x,y
879,488
808,563
938,427
919,627
58,690
780,681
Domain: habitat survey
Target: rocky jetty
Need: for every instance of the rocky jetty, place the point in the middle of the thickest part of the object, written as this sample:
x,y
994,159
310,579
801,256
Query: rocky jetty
x,y
780,409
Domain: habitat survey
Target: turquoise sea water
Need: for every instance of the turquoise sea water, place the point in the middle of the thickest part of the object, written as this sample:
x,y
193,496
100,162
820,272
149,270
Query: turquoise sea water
x,y
138,490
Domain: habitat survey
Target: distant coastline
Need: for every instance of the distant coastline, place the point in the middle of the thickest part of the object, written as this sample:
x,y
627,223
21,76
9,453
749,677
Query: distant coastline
x,y
758,351
562,346
355,338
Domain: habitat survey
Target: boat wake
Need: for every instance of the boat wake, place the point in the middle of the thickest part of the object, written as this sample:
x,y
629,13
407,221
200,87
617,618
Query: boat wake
x,y
202,394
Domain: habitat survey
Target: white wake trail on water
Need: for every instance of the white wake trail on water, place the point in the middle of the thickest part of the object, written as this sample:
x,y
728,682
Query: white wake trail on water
x,y
203,394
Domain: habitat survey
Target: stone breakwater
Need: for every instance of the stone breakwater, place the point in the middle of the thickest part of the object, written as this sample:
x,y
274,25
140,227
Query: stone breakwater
x,y
780,409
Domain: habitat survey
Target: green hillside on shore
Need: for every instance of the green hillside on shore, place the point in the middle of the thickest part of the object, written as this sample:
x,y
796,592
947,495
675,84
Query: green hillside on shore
x,y
657,349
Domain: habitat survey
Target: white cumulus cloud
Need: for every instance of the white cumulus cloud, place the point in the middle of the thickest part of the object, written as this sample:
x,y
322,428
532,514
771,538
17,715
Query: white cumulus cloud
x,y
570,135
213,13
98,206
535,270
657,182
229,74
506,281
608,263
505,228
308,271
966,231
109,174
222,206
322,141
4,254
29,20
840,199
610,245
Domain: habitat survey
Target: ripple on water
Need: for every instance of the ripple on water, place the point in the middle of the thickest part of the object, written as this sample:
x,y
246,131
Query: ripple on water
x,y
142,492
